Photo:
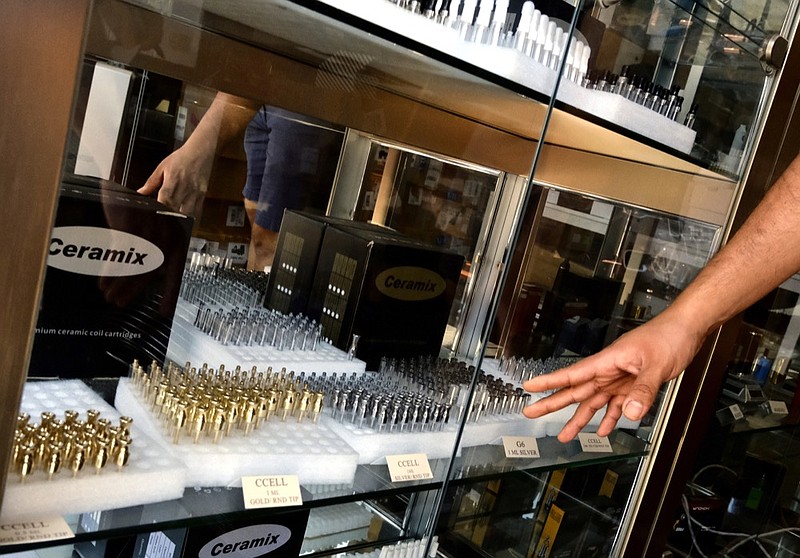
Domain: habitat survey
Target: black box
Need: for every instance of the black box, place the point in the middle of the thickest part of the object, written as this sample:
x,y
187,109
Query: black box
x,y
296,253
393,292
114,271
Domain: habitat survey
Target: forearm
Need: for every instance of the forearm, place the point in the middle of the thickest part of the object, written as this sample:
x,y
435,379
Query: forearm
x,y
757,259
224,121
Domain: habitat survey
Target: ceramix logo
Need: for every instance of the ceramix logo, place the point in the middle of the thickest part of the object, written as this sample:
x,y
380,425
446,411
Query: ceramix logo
x,y
102,252
247,542
410,283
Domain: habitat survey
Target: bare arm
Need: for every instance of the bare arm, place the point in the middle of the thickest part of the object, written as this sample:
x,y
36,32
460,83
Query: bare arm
x,y
182,178
627,374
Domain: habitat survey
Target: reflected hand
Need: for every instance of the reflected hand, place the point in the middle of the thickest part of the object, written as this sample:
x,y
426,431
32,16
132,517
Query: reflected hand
x,y
624,377
181,180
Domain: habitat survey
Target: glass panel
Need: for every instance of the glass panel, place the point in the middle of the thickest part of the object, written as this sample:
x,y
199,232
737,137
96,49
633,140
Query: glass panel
x,y
744,473
684,76
202,346
193,373
437,201
591,271
572,512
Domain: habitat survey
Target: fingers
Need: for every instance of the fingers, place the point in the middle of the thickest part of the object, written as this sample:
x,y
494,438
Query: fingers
x,y
578,373
612,416
559,400
642,394
583,414
153,183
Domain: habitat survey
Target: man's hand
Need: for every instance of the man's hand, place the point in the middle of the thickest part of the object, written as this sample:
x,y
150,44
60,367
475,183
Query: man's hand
x,y
181,179
624,377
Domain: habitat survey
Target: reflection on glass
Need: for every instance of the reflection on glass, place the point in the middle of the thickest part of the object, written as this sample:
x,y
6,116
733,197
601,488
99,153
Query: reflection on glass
x,y
597,269
745,470
697,64
440,202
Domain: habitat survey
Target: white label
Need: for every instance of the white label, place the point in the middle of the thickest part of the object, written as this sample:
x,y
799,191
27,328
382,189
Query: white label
x,y
236,216
18,531
247,542
778,408
105,109
102,252
159,546
736,412
521,446
471,188
591,442
180,123
271,491
409,467
237,252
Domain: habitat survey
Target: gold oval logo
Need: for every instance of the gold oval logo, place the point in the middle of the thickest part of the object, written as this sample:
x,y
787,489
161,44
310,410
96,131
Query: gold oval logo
x,y
410,283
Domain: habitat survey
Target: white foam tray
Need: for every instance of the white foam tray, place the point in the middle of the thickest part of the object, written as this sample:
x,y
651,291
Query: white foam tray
x,y
629,115
309,450
151,475
188,343
516,66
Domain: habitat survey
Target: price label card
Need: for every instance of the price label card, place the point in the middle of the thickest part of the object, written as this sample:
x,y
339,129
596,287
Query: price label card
x,y
591,442
413,466
778,408
18,531
736,412
521,446
271,491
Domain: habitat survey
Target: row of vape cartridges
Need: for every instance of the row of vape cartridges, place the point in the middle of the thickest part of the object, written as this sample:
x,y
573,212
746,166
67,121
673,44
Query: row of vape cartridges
x,y
206,404
213,284
259,326
489,22
74,442
642,91
405,396
523,369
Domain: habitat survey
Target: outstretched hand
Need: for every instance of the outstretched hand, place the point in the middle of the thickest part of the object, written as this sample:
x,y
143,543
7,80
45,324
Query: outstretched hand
x,y
624,377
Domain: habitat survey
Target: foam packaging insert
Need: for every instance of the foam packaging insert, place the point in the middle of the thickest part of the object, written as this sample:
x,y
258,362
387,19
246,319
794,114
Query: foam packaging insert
x,y
629,115
312,451
373,446
513,65
188,344
151,474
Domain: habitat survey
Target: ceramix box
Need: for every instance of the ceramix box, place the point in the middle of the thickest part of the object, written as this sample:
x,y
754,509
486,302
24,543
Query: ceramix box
x,y
393,292
114,269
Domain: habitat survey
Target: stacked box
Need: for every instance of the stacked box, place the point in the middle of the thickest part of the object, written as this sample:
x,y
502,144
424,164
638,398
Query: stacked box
x,y
393,292
113,275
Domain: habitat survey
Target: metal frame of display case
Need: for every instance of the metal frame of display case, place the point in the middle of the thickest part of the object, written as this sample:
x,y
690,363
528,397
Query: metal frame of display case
x,y
43,44
695,400
36,123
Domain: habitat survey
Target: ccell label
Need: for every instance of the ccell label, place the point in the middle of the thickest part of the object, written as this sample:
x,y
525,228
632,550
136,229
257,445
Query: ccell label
x,y
102,252
247,542
410,283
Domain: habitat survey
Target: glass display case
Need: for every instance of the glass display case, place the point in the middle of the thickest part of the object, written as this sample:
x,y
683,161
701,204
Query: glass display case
x,y
741,492
468,194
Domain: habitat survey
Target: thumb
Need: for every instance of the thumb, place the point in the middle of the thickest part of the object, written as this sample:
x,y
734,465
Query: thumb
x,y
640,398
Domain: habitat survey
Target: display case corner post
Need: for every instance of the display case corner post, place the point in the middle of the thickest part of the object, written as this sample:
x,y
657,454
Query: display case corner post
x,y
41,47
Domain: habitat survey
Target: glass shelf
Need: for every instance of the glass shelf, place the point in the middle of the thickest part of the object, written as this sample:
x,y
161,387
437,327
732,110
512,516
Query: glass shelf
x,y
370,483
410,55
